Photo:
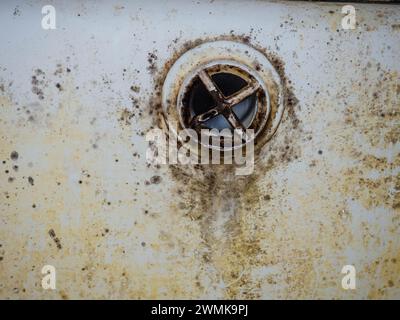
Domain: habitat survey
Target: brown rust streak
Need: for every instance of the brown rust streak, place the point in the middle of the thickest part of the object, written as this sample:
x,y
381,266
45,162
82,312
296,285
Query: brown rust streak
x,y
208,194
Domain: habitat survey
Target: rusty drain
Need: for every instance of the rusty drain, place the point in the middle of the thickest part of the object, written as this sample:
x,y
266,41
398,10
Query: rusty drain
x,y
223,85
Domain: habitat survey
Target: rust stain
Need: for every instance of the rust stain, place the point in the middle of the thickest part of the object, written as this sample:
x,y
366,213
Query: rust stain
x,y
283,232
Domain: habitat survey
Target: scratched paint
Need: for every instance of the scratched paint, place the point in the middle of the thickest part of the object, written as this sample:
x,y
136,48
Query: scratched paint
x,y
76,192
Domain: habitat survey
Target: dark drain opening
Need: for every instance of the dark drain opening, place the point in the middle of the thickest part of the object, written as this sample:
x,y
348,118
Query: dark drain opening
x,y
199,101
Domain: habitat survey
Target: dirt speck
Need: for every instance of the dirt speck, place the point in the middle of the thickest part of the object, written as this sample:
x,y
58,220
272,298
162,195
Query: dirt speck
x,y
396,27
126,116
135,89
14,155
57,241
16,12
38,83
155,179
31,181
151,59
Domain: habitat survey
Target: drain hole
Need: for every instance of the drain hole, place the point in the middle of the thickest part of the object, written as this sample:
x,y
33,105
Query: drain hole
x,y
199,100
228,83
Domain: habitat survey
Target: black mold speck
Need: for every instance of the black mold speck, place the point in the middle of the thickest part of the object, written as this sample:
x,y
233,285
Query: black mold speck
x,y
14,155
17,12
155,179
52,234
31,181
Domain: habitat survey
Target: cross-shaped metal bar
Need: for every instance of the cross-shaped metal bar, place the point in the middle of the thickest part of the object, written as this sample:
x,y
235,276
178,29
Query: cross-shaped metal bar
x,y
223,104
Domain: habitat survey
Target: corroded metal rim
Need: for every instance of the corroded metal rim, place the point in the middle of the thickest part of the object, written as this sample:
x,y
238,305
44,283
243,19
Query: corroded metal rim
x,y
249,62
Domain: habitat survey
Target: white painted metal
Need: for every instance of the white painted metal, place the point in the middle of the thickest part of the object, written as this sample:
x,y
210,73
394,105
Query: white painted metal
x,y
324,194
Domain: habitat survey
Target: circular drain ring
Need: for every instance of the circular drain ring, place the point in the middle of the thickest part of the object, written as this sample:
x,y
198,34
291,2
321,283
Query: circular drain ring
x,y
232,53
255,85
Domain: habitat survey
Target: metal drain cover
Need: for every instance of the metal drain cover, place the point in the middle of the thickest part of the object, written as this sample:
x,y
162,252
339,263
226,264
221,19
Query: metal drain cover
x,y
222,95
223,85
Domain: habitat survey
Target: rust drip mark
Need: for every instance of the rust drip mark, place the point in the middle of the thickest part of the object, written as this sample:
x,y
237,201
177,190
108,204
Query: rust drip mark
x,y
244,196
57,241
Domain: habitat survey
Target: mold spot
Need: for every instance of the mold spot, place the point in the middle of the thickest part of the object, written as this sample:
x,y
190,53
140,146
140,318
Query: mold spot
x,y
17,11
126,116
151,59
155,179
38,83
31,181
14,155
57,241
